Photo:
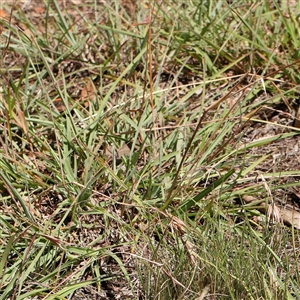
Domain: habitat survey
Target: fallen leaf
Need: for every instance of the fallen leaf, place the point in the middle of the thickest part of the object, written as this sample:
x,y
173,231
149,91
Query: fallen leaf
x,y
3,14
87,93
289,217
39,9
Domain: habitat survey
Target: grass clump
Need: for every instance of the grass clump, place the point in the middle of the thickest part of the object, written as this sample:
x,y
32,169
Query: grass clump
x,y
130,135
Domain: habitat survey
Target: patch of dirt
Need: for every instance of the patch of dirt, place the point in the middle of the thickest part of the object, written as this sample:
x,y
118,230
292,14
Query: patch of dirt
x,y
282,154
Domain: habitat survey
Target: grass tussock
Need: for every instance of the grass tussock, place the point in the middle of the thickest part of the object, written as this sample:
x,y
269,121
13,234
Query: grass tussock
x,y
130,133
